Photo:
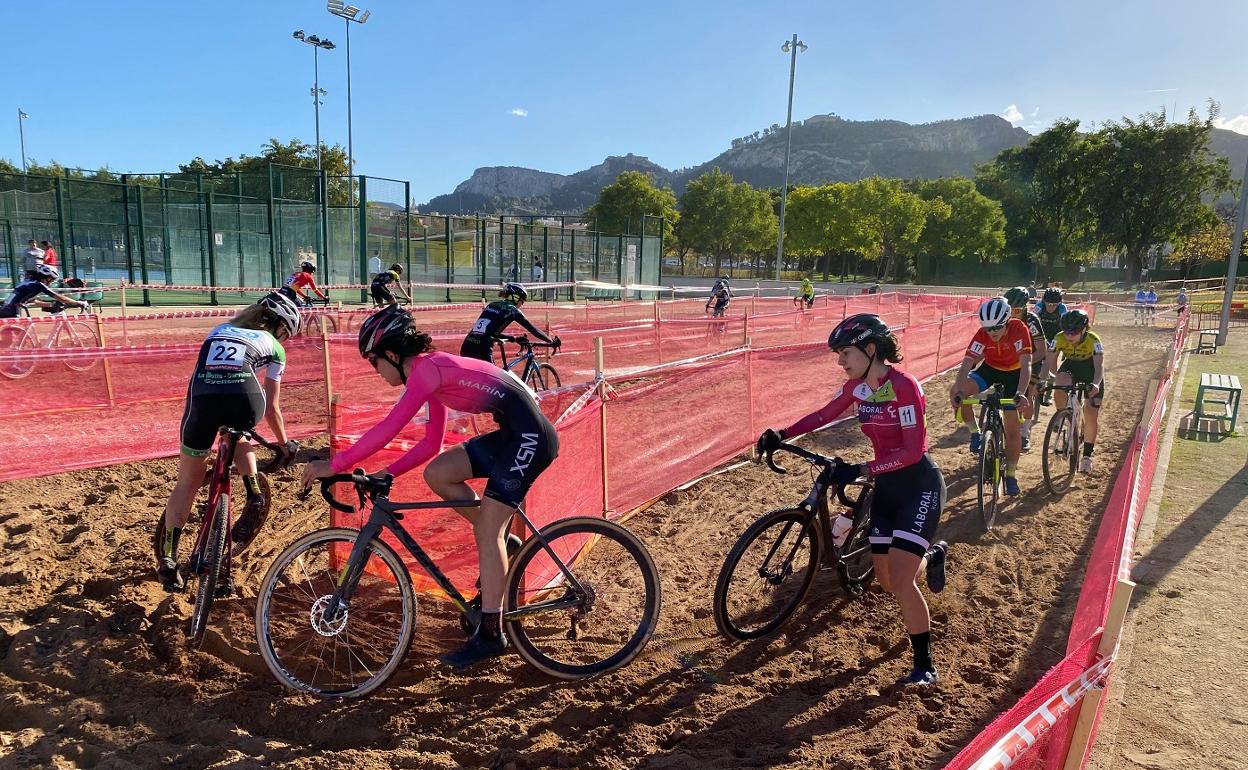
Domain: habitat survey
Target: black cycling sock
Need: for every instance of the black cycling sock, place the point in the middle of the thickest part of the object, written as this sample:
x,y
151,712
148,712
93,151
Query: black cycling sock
x,y
252,485
172,536
492,624
922,644
1087,449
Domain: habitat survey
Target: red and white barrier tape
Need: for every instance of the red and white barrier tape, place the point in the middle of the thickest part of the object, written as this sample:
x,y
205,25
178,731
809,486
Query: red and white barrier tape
x,y
1005,752
580,402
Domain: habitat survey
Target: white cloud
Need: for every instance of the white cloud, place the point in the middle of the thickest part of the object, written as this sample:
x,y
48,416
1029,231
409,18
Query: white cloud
x,y
1012,114
1035,112
1238,124
519,112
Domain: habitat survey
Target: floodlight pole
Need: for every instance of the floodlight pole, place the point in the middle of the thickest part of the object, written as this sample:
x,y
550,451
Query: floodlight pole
x,y
21,131
789,46
316,100
1232,263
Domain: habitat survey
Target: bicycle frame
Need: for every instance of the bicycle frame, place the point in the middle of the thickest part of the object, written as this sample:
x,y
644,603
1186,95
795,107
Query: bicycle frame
x,y
386,515
817,503
220,484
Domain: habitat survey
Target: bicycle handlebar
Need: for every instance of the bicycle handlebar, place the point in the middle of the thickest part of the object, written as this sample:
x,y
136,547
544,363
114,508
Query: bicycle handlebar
x,y
815,459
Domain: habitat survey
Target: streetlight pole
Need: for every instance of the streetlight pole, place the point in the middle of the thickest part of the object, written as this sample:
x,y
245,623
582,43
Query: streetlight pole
x,y
350,14
21,132
790,46
317,44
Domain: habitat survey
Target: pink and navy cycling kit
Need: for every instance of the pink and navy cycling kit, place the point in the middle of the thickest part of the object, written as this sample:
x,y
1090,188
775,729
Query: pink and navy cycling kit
x,y
511,457
893,416
909,490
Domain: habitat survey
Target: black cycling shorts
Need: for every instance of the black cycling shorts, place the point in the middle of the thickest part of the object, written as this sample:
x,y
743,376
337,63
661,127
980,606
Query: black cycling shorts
x,y
382,294
512,458
478,348
906,506
207,413
985,377
1083,371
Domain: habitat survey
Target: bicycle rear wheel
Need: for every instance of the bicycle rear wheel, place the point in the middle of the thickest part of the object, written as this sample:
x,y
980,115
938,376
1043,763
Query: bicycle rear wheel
x,y
15,339
352,653
1059,458
78,337
767,574
990,471
208,572
582,634
855,565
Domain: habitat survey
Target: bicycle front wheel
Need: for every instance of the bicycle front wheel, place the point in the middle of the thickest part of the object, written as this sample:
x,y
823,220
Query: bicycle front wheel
x,y
15,339
78,337
990,472
352,652
1059,457
208,571
574,631
767,574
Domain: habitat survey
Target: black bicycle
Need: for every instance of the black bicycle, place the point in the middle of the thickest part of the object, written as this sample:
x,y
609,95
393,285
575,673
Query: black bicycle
x,y
1063,438
772,565
212,558
538,375
336,612
992,452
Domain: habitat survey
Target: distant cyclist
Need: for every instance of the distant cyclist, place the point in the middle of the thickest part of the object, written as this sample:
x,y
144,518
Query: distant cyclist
x,y
1050,310
999,353
381,287
226,391
1019,299
721,295
31,289
1141,306
495,318
909,488
300,280
1083,360
807,293
511,458
1181,300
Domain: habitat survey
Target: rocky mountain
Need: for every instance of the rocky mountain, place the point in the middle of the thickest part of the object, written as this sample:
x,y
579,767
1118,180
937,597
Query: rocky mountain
x,y
826,148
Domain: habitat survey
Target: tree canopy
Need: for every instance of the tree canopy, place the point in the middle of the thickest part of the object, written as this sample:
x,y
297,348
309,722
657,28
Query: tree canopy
x,y
621,205
722,218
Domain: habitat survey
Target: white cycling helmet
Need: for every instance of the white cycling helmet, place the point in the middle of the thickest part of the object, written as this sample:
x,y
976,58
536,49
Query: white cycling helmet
x,y
47,271
994,313
281,306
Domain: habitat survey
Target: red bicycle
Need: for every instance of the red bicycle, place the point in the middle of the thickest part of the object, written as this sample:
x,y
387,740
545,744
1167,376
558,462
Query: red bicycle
x,y
211,560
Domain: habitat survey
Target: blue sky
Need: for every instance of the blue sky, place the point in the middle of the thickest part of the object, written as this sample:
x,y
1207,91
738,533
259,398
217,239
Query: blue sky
x,y
438,87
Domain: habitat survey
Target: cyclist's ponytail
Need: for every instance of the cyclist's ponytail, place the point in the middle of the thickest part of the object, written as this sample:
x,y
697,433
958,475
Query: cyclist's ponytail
x,y
889,348
413,343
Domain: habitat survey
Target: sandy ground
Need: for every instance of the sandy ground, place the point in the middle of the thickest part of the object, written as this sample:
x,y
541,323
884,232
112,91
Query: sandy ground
x,y
95,674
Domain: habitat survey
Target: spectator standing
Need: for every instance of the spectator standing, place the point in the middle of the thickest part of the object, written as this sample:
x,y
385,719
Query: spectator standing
x,y
49,254
32,258
1031,290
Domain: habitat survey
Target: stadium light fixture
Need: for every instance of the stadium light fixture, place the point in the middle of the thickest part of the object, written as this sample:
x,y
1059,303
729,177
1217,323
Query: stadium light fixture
x,y
790,46
317,44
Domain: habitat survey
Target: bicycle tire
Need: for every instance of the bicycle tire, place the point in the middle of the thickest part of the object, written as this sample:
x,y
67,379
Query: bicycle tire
x,y
277,609
855,565
544,377
1056,455
726,618
14,339
598,571
208,574
989,492
87,338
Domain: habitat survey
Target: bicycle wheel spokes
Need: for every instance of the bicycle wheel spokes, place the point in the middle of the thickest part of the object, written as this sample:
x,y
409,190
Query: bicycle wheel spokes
x,y
990,471
1059,456
350,652
767,574
77,337
15,339
596,625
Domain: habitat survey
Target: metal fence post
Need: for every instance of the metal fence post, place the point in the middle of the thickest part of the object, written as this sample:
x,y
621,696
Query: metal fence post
x,y
515,251
60,226
450,258
363,208
545,257
167,241
407,232
147,297
597,253
322,192
125,222
273,245
572,269
212,251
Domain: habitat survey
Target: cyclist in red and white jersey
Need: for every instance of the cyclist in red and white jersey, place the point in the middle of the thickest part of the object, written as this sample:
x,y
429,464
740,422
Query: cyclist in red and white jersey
x,y
909,488
302,279
999,353
511,458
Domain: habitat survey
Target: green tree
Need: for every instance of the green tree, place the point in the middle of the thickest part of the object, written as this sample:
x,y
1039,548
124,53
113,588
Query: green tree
x,y
891,220
1211,242
1043,190
721,218
969,225
1151,179
822,221
621,205
296,154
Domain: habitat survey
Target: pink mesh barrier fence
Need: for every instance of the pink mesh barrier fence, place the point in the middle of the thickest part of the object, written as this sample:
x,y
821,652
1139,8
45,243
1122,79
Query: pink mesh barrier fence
x,y
1021,736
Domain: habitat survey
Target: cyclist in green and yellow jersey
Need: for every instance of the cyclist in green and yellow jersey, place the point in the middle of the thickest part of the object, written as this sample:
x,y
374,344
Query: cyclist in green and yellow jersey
x,y
1083,360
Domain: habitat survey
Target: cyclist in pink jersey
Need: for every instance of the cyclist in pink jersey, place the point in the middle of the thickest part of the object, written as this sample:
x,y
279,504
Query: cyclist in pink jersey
x,y
511,458
909,488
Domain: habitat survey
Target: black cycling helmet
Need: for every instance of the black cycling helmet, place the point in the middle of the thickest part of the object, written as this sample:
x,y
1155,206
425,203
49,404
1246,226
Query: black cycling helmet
x,y
514,292
857,331
1074,321
1017,296
382,330
307,266
1052,294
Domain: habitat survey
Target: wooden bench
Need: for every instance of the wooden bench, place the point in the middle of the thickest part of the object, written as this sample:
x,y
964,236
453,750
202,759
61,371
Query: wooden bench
x,y
1207,347
1226,386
